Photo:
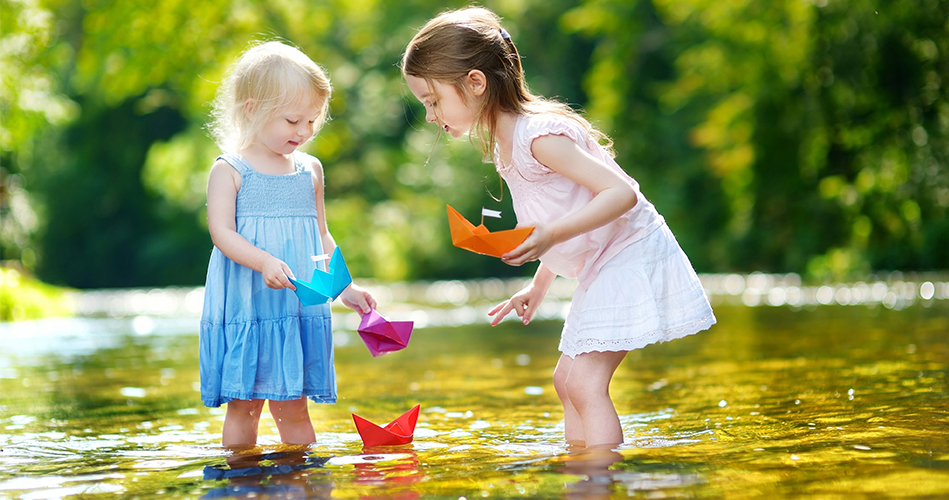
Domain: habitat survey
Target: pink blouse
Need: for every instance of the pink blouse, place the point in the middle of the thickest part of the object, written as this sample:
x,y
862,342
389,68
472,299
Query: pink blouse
x,y
541,196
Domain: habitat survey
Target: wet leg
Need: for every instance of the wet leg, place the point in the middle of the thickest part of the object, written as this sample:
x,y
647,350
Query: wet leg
x,y
240,423
293,421
588,388
573,428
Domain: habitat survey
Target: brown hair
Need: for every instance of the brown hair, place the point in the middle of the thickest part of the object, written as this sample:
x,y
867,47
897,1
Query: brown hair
x,y
456,42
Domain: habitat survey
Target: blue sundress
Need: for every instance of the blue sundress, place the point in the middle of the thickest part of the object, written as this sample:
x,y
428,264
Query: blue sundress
x,y
257,342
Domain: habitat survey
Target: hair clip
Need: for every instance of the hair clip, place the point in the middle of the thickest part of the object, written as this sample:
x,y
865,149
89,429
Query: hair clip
x,y
505,35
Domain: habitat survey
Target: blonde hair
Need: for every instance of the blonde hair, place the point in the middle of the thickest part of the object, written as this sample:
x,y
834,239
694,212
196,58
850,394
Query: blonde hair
x,y
274,75
452,44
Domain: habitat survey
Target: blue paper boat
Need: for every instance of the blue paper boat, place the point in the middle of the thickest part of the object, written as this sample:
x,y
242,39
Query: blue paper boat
x,y
325,286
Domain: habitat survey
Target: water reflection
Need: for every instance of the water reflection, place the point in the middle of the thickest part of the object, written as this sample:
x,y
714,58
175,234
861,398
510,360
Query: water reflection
x,y
282,474
391,468
307,474
817,403
593,466
605,473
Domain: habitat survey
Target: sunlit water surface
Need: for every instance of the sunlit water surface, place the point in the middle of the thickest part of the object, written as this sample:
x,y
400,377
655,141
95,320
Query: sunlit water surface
x,y
826,402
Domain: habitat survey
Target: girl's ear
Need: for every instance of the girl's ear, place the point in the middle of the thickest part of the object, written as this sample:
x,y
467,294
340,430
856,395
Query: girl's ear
x,y
477,82
249,105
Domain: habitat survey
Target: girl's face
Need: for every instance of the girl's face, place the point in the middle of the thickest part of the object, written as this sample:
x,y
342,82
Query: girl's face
x,y
443,105
288,128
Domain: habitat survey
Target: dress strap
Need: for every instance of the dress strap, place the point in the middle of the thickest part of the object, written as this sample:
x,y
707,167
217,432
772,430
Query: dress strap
x,y
238,162
298,157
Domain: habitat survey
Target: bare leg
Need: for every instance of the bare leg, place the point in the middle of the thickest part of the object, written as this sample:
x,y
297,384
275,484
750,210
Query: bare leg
x,y
293,421
588,389
573,428
240,423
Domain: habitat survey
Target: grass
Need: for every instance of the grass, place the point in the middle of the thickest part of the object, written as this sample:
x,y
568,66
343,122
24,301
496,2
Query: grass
x,y
24,298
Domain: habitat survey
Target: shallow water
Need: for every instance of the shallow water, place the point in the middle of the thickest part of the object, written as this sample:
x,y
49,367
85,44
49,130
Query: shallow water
x,y
827,402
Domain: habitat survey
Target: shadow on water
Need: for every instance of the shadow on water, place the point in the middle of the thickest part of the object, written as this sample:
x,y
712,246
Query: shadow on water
x,y
820,403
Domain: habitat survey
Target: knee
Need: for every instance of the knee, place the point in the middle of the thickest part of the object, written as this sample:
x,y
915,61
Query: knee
x,y
244,408
290,411
570,387
561,375
580,391
562,380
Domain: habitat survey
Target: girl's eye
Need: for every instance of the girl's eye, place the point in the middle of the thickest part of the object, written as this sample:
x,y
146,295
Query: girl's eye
x,y
293,122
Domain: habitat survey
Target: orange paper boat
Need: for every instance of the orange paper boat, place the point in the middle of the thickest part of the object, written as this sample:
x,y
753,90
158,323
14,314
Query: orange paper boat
x,y
399,431
479,240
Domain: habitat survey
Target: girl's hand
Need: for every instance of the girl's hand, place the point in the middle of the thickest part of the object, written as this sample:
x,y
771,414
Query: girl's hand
x,y
523,303
537,243
277,274
358,299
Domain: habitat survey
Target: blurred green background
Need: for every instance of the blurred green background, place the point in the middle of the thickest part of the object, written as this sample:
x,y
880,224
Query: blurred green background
x,y
775,136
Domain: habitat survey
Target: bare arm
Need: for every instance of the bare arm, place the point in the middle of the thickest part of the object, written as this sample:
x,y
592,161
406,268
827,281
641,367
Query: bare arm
x,y
223,184
525,302
329,244
354,296
613,196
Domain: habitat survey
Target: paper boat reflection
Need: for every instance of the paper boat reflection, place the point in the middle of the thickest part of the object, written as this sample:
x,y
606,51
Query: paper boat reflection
x,y
325,286
399,431
479,240
381,335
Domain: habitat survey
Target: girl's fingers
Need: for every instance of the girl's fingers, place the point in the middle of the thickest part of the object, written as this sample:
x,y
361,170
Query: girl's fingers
x,y
524,253
284,281
497,308
501,314
528,314
273,282
364,305
517,261
518,252
355,304
359,300
287,275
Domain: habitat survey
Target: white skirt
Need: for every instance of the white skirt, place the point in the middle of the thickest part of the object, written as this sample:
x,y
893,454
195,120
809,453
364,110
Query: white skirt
x,y
648,293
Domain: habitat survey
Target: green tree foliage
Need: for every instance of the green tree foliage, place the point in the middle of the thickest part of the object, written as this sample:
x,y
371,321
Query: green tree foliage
x,y
821,129
775,136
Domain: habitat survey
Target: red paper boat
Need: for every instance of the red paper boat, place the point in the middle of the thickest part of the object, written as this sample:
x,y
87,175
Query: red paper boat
x,y
399,431
381,335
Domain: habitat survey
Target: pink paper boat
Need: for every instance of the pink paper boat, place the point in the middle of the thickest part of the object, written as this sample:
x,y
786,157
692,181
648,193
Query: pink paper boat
x,y
399,431
381,335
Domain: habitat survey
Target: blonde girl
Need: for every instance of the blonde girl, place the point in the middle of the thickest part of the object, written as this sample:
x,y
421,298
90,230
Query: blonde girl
x,y
267,220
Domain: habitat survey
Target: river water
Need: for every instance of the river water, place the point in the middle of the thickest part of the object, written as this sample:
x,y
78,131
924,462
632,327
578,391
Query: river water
x,y
776,401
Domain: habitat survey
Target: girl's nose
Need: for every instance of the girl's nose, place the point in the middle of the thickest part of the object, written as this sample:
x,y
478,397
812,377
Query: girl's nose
x,y
430,115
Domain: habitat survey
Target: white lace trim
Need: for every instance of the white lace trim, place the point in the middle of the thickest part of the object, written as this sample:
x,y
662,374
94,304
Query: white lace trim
x,y
637,342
